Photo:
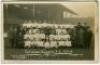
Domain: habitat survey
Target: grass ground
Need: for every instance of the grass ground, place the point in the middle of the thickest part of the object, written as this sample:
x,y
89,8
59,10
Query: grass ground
x,y
19,54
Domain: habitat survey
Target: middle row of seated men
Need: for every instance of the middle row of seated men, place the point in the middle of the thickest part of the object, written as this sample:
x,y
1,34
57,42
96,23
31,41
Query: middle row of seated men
x,y
57,31
50,37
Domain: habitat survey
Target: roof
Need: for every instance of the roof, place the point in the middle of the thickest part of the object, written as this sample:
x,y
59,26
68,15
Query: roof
x,y
69,10
25,11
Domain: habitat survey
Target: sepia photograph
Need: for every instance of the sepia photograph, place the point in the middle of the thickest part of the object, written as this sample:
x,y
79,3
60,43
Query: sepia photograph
x,y
50,31
56,0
